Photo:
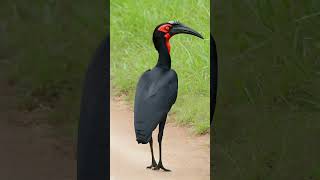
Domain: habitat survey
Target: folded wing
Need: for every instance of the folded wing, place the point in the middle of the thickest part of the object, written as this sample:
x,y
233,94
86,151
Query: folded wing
x,y
155,94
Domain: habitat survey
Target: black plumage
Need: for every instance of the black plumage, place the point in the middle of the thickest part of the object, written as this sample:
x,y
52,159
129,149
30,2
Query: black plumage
x,y
93,142
157,89
156,93
213,77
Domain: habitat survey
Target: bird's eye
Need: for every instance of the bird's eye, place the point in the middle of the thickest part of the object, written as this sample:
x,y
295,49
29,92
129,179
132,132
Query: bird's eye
x,y
167,28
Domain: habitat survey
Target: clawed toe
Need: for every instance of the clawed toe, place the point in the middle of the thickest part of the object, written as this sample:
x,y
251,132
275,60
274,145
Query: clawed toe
x,y
152,165
160,166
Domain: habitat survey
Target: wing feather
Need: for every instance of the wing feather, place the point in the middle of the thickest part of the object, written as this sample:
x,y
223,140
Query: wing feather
x,y
154,98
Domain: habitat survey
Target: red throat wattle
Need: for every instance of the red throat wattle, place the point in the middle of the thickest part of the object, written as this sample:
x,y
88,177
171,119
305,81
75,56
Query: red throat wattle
x,y
165,28
167,36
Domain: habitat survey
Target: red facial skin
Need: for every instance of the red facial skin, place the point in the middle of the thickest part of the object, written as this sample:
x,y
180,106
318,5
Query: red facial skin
x,y
165,28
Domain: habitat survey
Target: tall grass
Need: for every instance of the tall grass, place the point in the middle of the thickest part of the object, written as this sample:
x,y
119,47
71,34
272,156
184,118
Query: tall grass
x,y
267,117
48,45
132,52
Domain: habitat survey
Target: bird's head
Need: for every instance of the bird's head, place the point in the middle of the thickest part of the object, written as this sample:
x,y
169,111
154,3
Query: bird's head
x,y
163,32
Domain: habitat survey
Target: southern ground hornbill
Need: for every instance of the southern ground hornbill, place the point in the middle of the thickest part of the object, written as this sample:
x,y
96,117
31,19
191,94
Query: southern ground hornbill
x,y
157,89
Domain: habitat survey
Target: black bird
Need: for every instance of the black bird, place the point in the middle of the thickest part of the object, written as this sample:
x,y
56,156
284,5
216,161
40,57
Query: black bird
x,y
93,141
157,89
213,77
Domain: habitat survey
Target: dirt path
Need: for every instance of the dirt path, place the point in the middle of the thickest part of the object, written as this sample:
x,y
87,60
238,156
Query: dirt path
x,y
28,149
188,156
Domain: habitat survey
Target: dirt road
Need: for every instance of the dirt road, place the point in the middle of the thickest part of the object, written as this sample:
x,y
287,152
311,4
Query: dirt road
x,y
187,155
29,150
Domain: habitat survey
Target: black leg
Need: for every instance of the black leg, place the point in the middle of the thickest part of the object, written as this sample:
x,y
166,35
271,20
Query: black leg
x,y
160,135
153,163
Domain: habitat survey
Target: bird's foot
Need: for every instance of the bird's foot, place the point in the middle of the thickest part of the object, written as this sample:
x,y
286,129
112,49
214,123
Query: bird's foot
x,y
160,166
153,164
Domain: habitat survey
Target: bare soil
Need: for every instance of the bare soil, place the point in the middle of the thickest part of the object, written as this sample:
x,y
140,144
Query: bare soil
x,y
186,154
30,148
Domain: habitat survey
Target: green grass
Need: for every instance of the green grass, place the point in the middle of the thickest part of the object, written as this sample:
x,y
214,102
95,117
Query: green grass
x,y
267,117
132,52
47,45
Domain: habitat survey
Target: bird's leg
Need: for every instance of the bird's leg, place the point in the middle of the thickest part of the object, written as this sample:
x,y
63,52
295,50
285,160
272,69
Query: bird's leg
x,y
153,163
161,128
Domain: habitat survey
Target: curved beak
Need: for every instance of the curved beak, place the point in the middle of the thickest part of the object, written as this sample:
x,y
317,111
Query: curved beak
x,y
182,29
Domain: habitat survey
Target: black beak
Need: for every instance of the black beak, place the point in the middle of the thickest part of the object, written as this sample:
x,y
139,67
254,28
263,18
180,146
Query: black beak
x,y
180,28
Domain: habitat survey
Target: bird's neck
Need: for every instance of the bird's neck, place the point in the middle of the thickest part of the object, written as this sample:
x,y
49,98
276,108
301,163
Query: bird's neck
x,y
164,60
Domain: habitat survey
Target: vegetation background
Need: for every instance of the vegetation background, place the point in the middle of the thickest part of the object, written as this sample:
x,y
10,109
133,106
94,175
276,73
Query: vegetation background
x,y
267,121
46,47
132,52
267,117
